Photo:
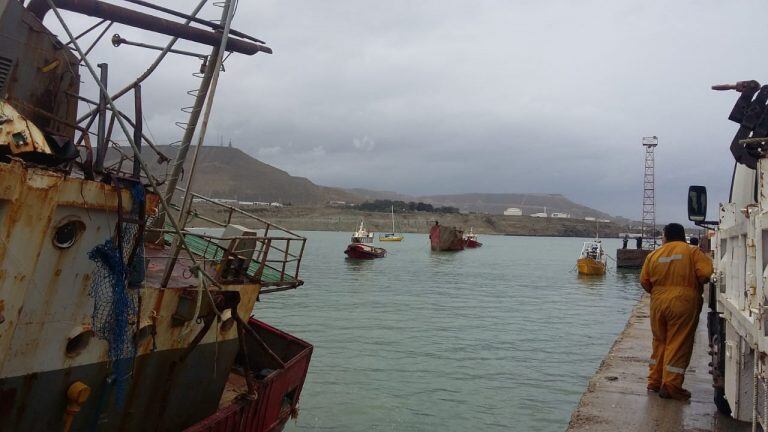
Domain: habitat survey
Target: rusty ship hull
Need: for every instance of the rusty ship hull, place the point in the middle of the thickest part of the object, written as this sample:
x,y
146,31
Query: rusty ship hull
x,y
442,238
180,368
113,315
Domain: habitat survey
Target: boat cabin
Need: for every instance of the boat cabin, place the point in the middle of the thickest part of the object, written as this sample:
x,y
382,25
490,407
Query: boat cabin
x,y
593,249
362,235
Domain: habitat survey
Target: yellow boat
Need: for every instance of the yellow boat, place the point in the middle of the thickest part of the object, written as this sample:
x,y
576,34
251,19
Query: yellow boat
x,y
391,237
592,261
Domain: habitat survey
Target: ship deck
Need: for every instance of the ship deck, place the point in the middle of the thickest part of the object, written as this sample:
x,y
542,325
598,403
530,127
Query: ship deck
x,y
616,398
209,252
234,388
182,275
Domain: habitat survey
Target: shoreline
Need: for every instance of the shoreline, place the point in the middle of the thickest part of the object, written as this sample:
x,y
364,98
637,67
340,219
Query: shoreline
x,y
347,220
616,397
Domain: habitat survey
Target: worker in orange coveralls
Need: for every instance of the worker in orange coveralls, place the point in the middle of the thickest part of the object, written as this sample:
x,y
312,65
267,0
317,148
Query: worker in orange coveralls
x,y
673,274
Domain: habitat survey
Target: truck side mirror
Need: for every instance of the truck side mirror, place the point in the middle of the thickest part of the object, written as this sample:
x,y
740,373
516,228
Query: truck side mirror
x,y
697,203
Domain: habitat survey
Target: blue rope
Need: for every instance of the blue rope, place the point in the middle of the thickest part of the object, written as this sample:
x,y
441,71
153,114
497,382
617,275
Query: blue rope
x,y
111,320
113,302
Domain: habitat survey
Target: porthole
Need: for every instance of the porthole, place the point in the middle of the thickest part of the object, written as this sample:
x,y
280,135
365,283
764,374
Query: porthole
x,y
78,341
67,234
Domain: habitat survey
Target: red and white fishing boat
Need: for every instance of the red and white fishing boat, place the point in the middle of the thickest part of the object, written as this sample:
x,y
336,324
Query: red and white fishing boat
x,y
361,246
470,240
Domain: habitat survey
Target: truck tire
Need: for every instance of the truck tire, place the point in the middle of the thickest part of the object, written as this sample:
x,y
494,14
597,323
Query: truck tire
x,y
716,333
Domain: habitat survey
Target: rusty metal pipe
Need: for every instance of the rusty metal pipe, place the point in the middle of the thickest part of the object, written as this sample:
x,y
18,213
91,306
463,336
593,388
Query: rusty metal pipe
x,y
137,130
244,349
255,336
144,21
87,31
161,157
117,41
151,67
207,23
101,143
740,86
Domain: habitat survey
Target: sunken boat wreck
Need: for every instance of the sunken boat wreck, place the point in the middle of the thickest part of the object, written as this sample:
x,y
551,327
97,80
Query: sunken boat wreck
x,y
114,315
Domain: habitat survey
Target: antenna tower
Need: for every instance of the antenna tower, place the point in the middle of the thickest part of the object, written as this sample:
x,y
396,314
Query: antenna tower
x,y
649,195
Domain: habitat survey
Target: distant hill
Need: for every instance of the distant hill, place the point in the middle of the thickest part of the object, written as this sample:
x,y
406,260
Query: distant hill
x,y
529,203
230,173
371,195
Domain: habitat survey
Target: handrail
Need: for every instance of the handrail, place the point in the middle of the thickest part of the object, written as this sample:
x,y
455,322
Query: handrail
x,y
268,252
185,231
301,254
237,210
283,270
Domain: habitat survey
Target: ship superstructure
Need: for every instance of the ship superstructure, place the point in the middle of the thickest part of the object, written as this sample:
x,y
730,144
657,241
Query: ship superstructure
x,y
114,313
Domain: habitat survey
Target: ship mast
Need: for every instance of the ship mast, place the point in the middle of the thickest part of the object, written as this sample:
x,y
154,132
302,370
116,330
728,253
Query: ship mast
x,y
194,118
212,74
393,218
219,40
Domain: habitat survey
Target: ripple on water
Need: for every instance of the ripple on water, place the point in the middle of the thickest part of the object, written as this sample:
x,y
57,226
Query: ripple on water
x,y
502,338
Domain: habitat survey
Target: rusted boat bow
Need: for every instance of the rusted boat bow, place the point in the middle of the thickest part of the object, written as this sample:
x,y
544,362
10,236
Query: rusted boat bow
x,y
116,314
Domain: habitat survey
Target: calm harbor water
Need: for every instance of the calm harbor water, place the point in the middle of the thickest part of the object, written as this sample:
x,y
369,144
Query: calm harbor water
x,y
499,338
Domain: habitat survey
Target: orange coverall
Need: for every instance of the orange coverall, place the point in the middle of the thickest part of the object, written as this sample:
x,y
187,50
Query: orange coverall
x,y
673,274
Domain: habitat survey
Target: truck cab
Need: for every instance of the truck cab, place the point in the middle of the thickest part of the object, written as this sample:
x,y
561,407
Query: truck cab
x,y
737,319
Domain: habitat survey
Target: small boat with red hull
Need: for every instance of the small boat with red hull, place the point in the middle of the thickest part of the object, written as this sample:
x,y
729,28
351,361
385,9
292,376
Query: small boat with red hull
x,y
279,362
470,240
364,251
442,238
361,248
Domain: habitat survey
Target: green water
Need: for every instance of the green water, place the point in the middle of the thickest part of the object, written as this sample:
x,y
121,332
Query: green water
x,y
499,338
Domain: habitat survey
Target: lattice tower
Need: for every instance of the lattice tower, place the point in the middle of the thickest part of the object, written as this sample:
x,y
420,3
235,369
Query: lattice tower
x,y
649,195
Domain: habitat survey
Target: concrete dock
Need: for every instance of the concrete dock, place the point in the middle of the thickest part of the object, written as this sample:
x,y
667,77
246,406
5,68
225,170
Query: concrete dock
x,y
631,258
616,398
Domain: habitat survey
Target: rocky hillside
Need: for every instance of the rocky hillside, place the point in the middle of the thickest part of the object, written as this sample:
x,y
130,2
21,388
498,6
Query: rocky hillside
x,y
494,203
230,173
346,220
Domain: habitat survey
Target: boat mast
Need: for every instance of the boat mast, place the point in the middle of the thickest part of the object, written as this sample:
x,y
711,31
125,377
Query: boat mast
x,y
393,219
213,70
597,229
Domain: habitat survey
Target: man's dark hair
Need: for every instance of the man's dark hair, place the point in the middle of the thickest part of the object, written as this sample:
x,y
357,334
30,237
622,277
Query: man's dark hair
x,y
694,241
674,232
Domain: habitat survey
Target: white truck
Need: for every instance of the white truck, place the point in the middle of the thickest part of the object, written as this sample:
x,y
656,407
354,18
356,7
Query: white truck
x,y
738,292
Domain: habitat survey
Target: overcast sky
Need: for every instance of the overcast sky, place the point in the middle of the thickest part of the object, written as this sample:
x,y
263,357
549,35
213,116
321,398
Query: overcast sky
x,y
446,96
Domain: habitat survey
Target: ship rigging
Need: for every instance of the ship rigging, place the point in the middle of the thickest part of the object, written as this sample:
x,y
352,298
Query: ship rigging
x,y
124,316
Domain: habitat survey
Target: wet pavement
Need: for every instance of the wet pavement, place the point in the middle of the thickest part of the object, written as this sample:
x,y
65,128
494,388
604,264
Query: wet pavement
x,y
616,398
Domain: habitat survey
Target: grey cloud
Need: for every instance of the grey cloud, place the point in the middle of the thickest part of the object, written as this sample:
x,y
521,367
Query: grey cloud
x,y
489,96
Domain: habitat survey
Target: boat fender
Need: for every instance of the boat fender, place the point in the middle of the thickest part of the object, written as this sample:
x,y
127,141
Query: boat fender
x,y
77,394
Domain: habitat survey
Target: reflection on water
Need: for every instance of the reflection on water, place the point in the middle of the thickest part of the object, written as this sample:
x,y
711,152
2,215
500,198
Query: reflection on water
x,y
499,338
591,281
628,275
358,265
438,259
